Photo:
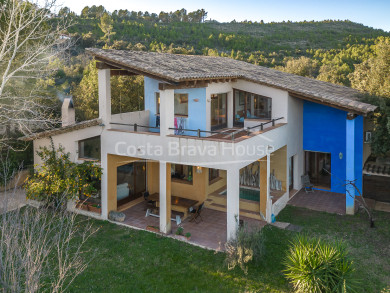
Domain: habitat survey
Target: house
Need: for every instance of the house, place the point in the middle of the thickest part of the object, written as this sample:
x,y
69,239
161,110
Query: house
x,y
235,136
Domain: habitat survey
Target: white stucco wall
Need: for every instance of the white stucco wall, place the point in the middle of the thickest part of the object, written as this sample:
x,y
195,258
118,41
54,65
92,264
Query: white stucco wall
x,y
68,140
279,97
137,117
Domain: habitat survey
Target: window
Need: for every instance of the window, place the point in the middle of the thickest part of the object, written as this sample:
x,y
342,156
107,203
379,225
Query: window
x,y
250,106
181,172
90,148
181,104
213,174
157,103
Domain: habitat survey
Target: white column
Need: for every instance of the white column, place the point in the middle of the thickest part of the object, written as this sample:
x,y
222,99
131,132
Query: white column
x,y
233,202
104,183
230,114
165,221
350,166
269,201
167,111
104,88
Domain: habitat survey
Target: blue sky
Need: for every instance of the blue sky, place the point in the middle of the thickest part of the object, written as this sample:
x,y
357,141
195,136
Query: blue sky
x,y
374,13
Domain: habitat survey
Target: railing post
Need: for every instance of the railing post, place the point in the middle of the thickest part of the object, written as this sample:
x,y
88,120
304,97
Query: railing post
x,y
198,132
135,127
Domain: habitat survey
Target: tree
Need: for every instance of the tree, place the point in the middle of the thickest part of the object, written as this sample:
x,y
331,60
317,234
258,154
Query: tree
x,y
106,25
58,176
29,42
126,93
303,66
373,76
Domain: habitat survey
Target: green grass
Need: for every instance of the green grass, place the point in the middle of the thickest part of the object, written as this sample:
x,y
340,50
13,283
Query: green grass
x,y
128,260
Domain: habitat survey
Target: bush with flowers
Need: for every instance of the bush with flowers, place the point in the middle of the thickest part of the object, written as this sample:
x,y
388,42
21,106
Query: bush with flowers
x,y
58,177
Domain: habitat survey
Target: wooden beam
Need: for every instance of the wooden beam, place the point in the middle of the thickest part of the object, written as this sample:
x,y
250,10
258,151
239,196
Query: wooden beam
x,y
120,72
128,68
182,85
103,65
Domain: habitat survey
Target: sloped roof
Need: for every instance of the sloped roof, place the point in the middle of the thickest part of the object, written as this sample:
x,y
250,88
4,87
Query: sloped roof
x,y
61,130
179,68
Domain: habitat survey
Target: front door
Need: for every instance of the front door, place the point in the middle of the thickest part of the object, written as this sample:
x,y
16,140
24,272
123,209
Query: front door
x,y
218,111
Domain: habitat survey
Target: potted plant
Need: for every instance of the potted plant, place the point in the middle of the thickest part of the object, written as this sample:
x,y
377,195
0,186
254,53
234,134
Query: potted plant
x,y
95,208
153,228
180,234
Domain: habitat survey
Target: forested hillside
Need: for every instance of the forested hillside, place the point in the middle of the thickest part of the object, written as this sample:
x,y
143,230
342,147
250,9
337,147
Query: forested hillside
x,y
339,51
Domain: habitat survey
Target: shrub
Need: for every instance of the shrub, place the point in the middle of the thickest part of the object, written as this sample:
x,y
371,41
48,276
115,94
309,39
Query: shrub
x,y
313,265
58,175
247,246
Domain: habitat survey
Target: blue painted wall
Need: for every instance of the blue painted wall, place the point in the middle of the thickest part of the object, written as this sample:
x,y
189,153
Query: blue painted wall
x,y
151,88
324,130
196,110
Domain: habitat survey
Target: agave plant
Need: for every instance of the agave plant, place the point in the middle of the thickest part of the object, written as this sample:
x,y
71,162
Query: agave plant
x,y
316,266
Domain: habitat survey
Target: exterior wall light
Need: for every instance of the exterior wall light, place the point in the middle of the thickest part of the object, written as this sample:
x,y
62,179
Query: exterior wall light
x,y
341,155
199,169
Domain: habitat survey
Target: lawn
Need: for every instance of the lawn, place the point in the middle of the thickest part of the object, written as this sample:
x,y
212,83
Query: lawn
x,y
127,260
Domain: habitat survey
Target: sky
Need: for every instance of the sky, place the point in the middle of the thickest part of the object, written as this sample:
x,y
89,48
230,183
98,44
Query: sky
x,y
373,13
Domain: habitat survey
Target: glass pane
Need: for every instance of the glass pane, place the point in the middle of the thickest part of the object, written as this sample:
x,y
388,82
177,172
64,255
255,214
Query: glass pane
x,y
223,109
181,104
214,110
125,182
158,103
318,166
249,105
218,110
239,107
140,177
90,148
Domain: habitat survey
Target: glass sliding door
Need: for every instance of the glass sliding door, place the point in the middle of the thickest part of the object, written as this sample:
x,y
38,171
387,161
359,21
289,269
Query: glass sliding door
x,y
318,167
131,182
218,111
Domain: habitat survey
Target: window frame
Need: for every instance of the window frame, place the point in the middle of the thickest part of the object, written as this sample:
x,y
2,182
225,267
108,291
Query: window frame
x,y
183,98
157,100
80,152
246,95
190,172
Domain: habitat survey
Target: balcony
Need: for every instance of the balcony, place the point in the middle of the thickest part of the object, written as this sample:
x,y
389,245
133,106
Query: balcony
x,y
230,134
137,121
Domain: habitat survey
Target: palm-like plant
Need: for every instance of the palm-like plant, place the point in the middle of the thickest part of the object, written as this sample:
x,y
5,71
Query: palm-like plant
x,y
316,266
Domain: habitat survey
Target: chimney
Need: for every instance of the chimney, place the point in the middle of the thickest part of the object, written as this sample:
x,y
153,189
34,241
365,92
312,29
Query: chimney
x,y
68,112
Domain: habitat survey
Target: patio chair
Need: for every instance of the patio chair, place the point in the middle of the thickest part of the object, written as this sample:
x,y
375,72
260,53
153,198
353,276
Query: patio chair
x,y
306,183
196,214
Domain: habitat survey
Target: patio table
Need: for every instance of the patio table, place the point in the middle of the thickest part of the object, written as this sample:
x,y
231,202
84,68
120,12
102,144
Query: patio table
x,y
178,204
